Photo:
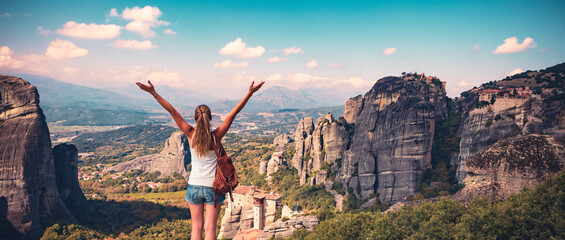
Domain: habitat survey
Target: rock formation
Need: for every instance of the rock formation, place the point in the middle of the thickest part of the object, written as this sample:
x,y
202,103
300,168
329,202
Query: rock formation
x,y
393,137
281,141
510,165
387,148
353,107
283,229
66,167
324,141
28,180
172,159
484,126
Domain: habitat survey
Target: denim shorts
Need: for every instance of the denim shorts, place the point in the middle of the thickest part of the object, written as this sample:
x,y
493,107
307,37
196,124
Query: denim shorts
x,y
196,194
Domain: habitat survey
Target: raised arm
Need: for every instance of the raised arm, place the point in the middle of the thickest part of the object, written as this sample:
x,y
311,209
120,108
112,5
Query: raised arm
x,y
185,127
223,129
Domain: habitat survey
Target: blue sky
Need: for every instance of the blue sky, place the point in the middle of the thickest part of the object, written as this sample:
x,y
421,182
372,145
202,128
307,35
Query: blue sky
x,y
218,47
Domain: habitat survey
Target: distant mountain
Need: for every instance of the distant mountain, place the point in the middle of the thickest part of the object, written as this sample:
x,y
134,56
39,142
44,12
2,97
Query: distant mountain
x,y
55,93
278,97
177,97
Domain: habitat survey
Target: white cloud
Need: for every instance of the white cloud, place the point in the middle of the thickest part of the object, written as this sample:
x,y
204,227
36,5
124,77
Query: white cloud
x,y
293,50
389,51
70,70
511,45
6,51
143,19
113,13
238,49
230,64
169,31
334,64
44,32
312,64
302,80
32,63
62,49
141,73
274,78
89,31
6,57
514,72
133,44
5,15
464,84
276,60
477,47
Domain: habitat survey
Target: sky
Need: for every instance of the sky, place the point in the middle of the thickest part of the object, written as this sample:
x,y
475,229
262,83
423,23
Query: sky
x,y
219,47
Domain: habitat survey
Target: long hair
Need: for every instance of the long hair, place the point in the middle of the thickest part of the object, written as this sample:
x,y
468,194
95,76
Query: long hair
x,y
202,135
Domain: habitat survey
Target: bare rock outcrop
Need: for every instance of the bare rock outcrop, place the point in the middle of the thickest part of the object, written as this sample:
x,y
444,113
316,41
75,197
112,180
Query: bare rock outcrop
x,y
303,142
172,159
482,127
66,167
27,170
510,165
387,148
353,107
281,141
393,137
323,142
283,229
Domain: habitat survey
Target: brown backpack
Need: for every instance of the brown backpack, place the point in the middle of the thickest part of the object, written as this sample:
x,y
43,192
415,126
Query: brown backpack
x,y
226,177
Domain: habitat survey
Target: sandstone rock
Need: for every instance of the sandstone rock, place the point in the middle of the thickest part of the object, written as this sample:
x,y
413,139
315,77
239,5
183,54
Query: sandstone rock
x,y
285,229
274,164
27,171
262,167
353,107
510,165
336,139
476,136
172,159
303,142
66,167
393,136
281,141
324,145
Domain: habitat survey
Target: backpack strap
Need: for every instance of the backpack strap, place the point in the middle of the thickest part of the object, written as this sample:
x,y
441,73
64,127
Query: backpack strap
x,y
215,141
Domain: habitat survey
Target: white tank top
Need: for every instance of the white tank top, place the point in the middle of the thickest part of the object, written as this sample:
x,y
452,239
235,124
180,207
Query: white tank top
x,y
202,169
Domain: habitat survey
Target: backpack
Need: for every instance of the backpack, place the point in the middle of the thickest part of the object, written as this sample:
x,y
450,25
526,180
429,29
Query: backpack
x,y
226,177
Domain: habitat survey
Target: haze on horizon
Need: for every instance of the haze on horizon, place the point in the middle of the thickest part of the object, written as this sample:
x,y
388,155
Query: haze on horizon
x,y
219,47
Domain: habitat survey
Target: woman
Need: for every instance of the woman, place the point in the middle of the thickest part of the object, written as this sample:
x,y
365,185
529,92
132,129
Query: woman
x,y
199,193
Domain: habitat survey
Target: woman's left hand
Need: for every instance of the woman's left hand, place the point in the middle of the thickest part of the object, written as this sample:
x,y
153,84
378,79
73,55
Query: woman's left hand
x,y
254,89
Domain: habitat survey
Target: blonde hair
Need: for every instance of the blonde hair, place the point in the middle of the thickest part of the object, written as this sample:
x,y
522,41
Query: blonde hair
x,y
202,135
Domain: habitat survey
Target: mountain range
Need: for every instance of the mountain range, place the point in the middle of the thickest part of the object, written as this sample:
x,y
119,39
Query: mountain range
x,y
129,105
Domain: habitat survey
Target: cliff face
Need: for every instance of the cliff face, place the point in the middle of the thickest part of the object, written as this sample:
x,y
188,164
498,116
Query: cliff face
x,y
172,159
353,107
505,118
381,145
66,168
510,165
324,141
27,171
393,137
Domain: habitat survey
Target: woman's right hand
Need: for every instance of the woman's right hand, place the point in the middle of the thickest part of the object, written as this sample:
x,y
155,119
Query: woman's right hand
x,y
148,88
